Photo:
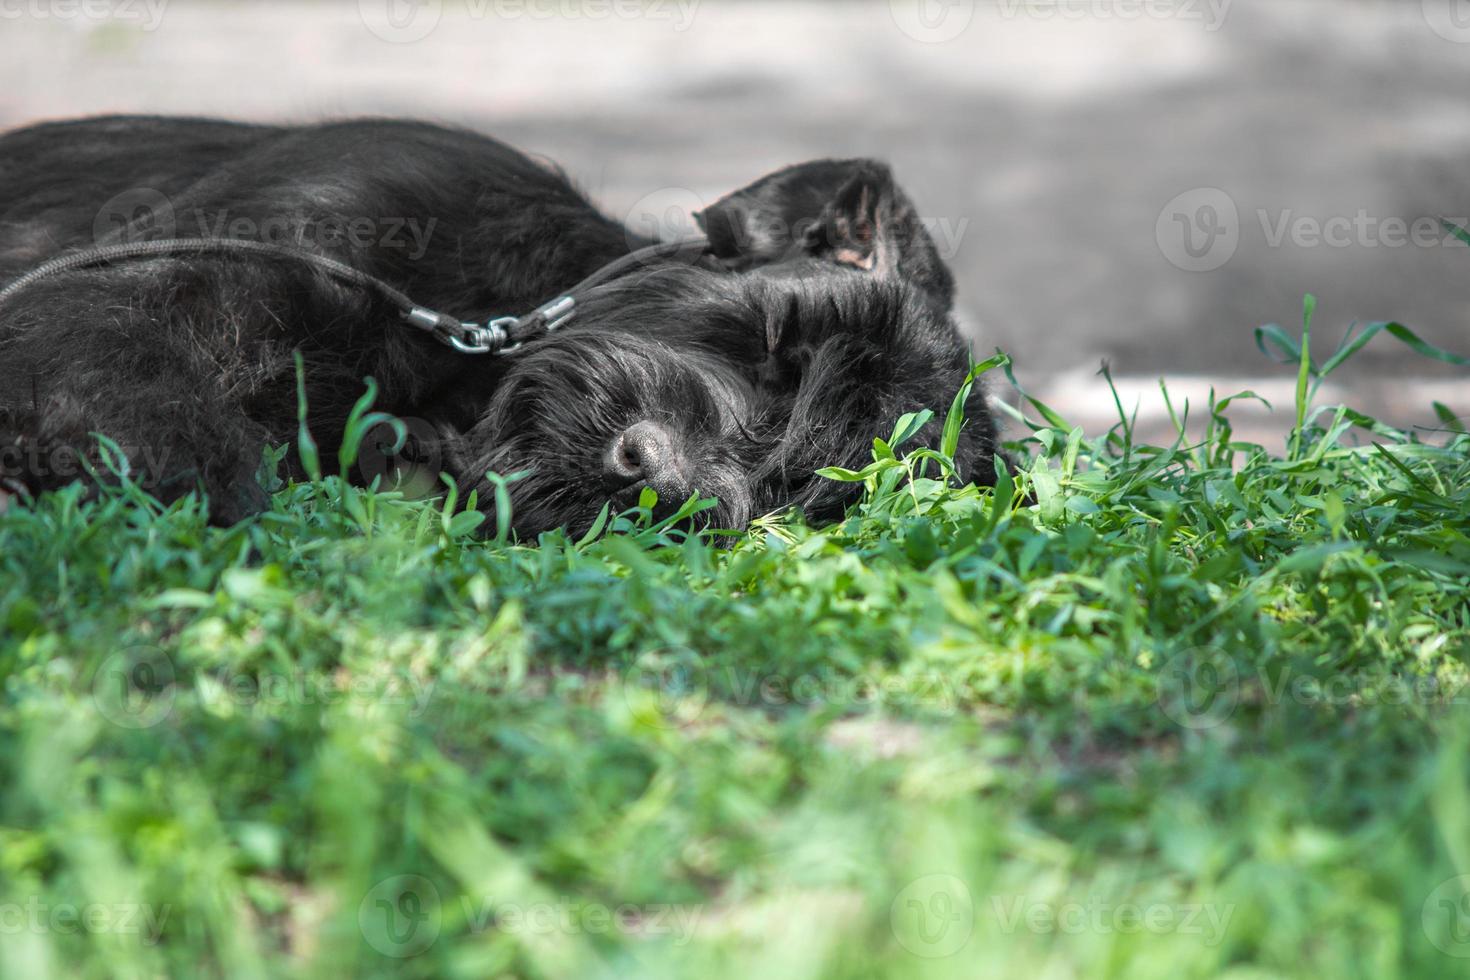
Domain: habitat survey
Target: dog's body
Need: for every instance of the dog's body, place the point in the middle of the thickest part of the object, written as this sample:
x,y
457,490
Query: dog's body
x,y
825,324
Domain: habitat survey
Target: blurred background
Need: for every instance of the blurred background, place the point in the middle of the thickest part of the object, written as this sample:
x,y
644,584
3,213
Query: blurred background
x,y
1137,181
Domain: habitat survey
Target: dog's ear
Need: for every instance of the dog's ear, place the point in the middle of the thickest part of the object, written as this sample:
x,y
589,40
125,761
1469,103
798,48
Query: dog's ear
x,y
849,212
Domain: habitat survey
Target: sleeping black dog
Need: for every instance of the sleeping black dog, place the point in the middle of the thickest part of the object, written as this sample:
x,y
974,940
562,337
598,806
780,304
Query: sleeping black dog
x,y
819,313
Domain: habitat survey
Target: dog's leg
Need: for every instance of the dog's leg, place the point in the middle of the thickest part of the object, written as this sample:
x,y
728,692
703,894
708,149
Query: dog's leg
x,y
168,448
163,361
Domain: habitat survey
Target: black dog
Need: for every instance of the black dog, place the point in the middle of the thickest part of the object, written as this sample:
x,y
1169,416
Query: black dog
x,y
823,315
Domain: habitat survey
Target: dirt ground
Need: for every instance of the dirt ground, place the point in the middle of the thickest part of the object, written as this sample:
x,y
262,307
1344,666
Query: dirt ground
x,y
1142,181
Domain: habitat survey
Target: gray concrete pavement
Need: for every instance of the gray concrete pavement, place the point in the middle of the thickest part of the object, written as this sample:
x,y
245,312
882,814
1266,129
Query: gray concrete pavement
x,y
1138,180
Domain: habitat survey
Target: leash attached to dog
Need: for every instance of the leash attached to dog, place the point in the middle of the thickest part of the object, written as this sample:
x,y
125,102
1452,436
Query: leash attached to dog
x,y
499,335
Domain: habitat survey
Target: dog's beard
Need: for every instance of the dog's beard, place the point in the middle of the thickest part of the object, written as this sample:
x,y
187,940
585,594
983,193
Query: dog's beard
x,y
566,400
545,498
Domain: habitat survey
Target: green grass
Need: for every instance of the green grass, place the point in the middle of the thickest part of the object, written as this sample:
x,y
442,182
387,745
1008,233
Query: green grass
x,y
1178,711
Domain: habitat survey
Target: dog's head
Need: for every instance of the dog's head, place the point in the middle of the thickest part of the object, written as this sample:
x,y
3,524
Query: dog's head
x,y
740,384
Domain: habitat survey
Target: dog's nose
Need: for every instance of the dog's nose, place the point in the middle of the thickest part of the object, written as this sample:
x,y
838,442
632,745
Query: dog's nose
x,y
645,453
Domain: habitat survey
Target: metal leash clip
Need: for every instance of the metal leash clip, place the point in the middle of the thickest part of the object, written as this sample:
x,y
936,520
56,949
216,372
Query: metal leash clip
x,y
557,312
494,337
471,338
467,338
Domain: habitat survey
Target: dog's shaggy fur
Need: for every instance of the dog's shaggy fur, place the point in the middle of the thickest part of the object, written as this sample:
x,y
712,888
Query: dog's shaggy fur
x,y
827,318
